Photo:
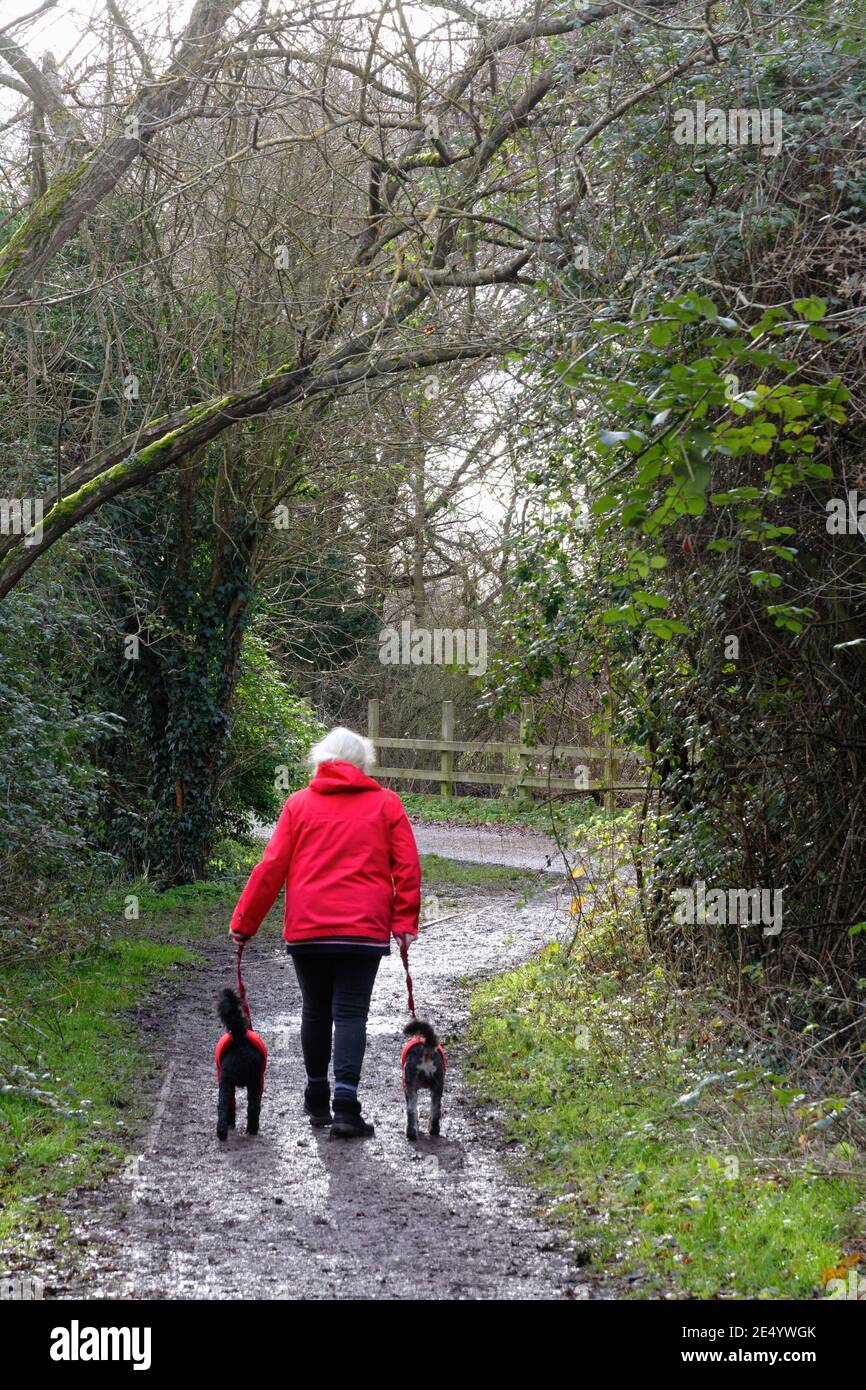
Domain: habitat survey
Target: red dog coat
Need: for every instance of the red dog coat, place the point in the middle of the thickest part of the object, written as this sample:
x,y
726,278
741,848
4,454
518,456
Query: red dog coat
x,y
256,1041
412,1042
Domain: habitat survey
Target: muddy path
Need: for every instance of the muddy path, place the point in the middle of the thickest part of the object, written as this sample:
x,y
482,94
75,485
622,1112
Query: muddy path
x,y
294,1214
477,844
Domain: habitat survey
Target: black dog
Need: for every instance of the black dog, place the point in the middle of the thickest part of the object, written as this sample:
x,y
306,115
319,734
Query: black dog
x,y
423,1065
241,1057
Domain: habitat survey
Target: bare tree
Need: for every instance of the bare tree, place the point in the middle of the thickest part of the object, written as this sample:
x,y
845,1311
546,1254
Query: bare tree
x,y
438,197
85,175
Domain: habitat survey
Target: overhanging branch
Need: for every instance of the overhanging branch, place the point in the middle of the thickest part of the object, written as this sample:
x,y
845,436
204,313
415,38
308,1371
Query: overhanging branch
x,y
133,462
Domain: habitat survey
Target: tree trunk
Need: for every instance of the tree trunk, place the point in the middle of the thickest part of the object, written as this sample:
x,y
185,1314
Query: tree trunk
x,y
198,682
419,593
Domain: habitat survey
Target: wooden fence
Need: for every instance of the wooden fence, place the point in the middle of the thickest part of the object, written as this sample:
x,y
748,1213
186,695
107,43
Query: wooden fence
x,y
518,758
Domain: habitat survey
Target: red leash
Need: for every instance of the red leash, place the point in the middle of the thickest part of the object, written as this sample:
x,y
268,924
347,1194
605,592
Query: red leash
x,y
242,990
404,956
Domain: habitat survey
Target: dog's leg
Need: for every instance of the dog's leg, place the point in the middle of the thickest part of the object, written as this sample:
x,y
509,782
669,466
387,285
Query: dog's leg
x,y
411,1112
254,1106
225,1108
435,1110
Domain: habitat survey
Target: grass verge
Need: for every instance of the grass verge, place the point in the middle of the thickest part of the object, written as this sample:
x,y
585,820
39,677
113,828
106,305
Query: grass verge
x,y
681,1167
73,1068
438,872
73,1064
541,816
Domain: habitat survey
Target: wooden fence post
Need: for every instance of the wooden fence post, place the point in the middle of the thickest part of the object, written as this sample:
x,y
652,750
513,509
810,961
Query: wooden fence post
x,y
373,721
523,759
446,788
611,766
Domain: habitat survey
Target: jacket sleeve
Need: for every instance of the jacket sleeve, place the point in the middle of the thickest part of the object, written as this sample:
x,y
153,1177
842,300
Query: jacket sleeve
x,y
266,879
405,874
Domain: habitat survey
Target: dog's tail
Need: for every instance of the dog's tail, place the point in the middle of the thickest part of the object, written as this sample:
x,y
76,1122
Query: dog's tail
x,y
419,1028
232,1015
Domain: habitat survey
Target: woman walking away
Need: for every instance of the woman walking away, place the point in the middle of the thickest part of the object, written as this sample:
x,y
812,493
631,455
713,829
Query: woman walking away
x,y
345,850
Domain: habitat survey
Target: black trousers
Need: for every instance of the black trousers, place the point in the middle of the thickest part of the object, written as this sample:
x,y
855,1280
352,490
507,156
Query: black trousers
x,y
335,989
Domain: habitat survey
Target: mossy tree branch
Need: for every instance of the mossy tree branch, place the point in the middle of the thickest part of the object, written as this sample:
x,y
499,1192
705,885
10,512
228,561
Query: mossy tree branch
x,y
166,442
74,193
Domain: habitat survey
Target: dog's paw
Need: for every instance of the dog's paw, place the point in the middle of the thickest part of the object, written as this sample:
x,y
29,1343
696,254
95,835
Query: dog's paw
x,y
222,1134
252,1129
434,1128
411,1133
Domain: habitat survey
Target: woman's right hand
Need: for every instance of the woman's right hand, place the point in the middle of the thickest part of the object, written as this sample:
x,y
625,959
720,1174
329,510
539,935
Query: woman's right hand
x,y
238,937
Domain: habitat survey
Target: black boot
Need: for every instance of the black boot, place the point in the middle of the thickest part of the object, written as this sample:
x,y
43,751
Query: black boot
x,y
317,1103
348,1123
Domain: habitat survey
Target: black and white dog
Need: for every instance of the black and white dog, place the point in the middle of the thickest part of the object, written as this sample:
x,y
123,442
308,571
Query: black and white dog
x,y
423,1066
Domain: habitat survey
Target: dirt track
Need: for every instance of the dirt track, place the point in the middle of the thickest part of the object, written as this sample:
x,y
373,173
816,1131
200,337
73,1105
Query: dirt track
x,y
294,1214
486,845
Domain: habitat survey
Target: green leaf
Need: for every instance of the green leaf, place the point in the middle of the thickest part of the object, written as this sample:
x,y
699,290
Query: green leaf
x,y
604,504
665,628
811,308
736,494
660,334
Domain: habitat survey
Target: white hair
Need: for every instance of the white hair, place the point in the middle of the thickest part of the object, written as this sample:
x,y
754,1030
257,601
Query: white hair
x,y
345,746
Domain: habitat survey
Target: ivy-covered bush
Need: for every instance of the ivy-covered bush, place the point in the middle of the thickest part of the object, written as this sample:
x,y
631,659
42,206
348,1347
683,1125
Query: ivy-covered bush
x,y
693,431
49,785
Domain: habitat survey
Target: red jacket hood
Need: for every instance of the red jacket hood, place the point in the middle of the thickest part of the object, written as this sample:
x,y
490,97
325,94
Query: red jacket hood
x,y
338,776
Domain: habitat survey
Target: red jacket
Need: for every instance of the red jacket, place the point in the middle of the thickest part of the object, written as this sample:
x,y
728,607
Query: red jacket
x,y
345,850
